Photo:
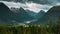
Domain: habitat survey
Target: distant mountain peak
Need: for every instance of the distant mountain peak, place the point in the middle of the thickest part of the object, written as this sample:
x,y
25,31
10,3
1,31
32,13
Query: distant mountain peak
x,y
42,11
40,14
1,3
8,17
21,8
52,15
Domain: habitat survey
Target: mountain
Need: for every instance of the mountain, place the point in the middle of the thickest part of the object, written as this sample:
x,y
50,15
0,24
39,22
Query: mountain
x,y
5,12
22,15
40,14
6,15
31,13
34,15
11,17
51,15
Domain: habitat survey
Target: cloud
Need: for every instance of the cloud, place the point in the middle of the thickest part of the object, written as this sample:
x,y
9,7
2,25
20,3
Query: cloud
x,y
13,4
49,2
30,6
37,7
34,5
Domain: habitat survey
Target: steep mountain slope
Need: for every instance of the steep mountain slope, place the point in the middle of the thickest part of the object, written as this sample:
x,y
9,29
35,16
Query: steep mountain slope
x,y
24,15
51,15
8,17
5,14
31,13
21,14
40,14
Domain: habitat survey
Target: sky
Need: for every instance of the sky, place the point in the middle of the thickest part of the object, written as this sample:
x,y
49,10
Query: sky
x,y
35,7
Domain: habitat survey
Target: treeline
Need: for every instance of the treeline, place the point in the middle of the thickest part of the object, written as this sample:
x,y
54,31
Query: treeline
x,y
51,28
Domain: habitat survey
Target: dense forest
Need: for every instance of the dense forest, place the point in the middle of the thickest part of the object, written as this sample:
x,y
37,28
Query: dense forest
x,y
51,28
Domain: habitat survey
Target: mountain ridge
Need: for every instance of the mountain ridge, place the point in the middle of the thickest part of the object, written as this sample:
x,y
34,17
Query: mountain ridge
x,y
51,15
9,17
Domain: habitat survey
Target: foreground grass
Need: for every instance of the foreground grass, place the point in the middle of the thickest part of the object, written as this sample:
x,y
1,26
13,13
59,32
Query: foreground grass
x,y
30,29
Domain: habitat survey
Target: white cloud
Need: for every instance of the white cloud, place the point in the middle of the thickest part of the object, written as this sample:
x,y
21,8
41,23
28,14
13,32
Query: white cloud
x,y
37,7
30,6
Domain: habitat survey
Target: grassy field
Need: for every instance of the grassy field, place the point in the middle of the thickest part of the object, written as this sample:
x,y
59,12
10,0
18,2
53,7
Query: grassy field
x,y
31,29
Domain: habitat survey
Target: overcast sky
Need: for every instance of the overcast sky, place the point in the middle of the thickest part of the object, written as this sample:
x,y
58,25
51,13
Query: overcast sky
x,y
36,7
